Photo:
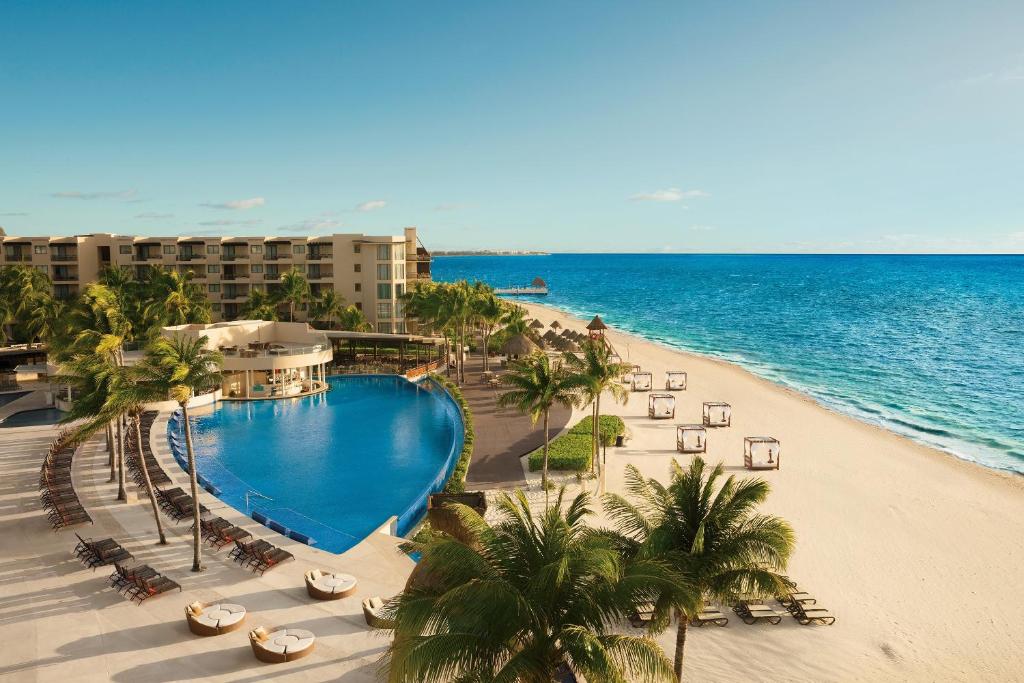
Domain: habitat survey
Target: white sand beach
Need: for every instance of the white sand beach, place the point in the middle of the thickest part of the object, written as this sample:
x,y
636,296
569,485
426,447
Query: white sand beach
x,y
917,553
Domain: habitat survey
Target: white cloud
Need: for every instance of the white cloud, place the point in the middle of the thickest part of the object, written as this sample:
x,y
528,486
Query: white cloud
x,y
237,204
76,194
224,222
312,225
371,205
155,216
702,228
671,194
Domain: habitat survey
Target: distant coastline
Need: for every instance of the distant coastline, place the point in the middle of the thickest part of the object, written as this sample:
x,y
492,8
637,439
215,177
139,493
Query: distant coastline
x,y
488,252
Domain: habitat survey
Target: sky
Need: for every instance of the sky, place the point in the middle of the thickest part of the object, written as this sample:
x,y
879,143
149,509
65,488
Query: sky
x,y
563,126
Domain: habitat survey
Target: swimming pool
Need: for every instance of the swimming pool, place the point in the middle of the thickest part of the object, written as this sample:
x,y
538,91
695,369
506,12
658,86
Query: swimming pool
x,y
12,396
33,418
333,467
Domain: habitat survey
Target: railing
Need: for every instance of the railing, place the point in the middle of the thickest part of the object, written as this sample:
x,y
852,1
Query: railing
x,y
18,256
272,352
421,370
64,257
319,255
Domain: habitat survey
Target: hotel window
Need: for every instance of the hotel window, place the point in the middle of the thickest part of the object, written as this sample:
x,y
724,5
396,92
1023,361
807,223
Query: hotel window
x,y
383,271
384,290
359,267
214,289
40,249
257,267
357,248
359,305
170,249
299,249
359,286
384,310
400,328
212,248
384,328
43,269
383,252
213,268
399,252
125,249
399,309
255,248
400,271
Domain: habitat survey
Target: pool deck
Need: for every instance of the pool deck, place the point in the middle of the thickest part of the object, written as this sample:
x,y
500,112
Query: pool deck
x,y
503,435
61,622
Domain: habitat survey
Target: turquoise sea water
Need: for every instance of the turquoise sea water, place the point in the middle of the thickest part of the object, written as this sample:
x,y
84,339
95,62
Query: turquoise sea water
x,y
334,466
931,347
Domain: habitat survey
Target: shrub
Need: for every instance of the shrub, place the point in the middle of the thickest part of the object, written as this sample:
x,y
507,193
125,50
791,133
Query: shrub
x,y
457,481
572,451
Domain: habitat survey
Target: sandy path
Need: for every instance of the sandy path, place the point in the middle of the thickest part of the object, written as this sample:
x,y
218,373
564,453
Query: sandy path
x,y
919,554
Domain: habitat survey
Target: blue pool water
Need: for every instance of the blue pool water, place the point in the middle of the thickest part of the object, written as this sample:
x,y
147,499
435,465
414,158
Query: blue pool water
x,y
13,396
336,466
33,418
929,346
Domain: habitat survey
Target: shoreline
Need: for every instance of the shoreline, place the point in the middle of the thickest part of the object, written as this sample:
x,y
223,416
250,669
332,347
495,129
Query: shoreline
x,y
794,390
911,552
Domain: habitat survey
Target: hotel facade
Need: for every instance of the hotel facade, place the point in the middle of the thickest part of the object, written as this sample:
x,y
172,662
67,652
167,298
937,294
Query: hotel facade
x,y
371,272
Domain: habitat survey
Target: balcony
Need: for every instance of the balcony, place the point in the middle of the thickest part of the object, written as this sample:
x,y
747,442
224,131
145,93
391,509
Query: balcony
x,y
230,254
17,255
63,274
64,256
319,273
146,255
191,255
314,254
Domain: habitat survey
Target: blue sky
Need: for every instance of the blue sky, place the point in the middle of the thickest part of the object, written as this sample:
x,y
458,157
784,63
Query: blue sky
x,y
583,126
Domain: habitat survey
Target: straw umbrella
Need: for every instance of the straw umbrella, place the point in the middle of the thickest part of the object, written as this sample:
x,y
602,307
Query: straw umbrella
x,y
536,325
519,345
555,325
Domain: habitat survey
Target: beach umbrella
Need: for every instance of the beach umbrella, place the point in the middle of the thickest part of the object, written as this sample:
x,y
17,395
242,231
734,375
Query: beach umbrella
x,y
550,336
555,325
519,345
537,325
597,324
538,282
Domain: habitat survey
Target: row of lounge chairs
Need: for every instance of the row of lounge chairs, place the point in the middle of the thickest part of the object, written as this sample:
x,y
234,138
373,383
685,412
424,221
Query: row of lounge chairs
x,y
219,532
99,553
157,475
176,503
259,555
801,606
141,582
56,492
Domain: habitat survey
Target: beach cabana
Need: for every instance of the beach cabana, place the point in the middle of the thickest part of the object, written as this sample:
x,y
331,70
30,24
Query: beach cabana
x,y
717,414
675,380
761,453
691,439
661,406
642,381
519,345
628,377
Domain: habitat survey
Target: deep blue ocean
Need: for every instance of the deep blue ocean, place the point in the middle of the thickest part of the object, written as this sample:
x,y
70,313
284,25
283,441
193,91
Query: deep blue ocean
x,y
931,347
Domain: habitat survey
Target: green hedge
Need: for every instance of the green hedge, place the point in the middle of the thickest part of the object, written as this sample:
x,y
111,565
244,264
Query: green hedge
x,y
457,482
572,451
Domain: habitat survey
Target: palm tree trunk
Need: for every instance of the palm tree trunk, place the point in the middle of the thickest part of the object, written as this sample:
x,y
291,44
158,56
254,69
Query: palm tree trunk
x,y
680,646
596,431
544,477
145,476
193,481
110,450
121,494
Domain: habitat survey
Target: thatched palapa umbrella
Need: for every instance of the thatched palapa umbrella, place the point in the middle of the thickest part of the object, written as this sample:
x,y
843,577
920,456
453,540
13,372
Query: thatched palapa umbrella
x,y
537,325
519,345
550,336
555,325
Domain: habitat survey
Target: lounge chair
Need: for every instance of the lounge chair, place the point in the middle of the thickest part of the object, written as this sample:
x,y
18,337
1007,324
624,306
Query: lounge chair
x,y
373,609
789,599
809,615
327,586
214,620
751,612
709,615
282,645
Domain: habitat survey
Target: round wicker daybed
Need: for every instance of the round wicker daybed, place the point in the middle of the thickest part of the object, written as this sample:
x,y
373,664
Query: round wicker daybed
x,y
213,620
325,586
283,645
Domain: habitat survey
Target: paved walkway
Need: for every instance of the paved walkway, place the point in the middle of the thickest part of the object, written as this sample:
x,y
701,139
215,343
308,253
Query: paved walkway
x,y
503,435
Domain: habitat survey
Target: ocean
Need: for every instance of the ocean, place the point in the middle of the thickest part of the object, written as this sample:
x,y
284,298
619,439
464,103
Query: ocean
x,y
931,347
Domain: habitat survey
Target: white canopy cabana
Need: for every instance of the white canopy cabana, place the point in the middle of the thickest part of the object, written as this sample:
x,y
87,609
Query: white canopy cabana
x,y
717,414
675,380
691,439
761,453
642,381
661,406
628,377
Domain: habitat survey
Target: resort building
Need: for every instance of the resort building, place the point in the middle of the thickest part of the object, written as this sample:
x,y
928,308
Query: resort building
x,y
265,359
371,272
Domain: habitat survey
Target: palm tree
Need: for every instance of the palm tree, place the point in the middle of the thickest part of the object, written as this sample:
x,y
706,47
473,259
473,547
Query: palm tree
x,y
537,385
489,312
326,307
181,367
176,299
259,306
523,600
713,533
293,289
594,372
353,319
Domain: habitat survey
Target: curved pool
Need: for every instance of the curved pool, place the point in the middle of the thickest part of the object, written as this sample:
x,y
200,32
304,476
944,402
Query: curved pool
x,y
332,467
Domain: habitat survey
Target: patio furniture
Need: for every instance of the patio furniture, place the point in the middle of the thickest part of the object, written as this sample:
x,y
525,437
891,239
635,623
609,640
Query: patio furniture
x,y
373,613
691,439
751,612
282,645
326,586
661,406
675,380
214,620
709,615
755,450
717,414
